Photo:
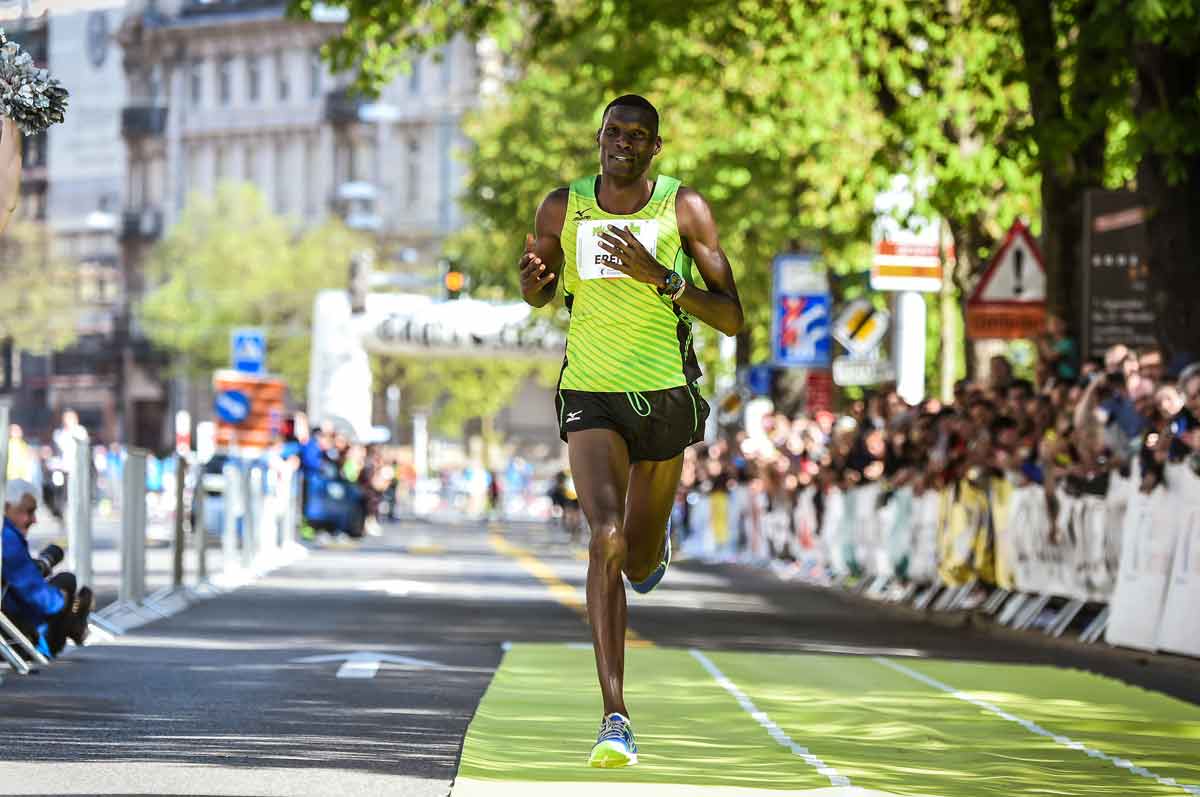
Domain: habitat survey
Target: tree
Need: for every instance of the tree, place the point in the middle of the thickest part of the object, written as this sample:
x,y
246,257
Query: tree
x,y
39,300
230,262
1011,107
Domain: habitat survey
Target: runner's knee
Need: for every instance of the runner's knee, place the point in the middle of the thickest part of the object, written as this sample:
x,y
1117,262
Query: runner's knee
x,y
608,544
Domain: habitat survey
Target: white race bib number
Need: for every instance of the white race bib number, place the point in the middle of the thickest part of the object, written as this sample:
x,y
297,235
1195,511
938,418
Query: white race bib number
x,y
592,262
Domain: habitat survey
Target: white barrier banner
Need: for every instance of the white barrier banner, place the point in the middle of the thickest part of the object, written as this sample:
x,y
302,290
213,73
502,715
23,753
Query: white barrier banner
x,y
1148,547
923,564
1180,630
1028,534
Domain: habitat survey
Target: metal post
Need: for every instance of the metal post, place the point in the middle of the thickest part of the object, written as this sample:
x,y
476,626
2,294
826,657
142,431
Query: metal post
x,y
199,526
178,542
252,490
133,528
230,505
79,514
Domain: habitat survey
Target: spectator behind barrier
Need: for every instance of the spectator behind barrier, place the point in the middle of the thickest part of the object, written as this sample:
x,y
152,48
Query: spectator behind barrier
x,y
46,608
1124,413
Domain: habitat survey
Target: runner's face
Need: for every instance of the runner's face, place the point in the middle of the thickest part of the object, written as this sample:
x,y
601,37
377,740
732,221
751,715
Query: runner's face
x,y
627,141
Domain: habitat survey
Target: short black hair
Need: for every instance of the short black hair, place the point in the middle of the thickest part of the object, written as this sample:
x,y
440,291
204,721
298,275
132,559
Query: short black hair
x,y
634,101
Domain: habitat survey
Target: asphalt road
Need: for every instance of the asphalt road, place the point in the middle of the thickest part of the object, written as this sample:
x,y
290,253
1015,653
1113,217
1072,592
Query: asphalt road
x,y
214,700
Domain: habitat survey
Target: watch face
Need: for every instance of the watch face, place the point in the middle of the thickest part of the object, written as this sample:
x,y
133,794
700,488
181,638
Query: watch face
x,y
97,38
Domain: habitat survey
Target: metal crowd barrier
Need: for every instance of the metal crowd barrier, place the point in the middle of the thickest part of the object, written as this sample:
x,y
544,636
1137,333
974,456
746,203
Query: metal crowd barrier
x,y
259,531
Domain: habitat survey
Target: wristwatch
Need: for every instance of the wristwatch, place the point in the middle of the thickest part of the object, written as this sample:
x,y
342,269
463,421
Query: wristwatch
x,y
673,286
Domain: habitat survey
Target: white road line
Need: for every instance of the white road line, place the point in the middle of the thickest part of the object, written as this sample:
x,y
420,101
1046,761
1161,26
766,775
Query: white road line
x,y
762,719
1033,727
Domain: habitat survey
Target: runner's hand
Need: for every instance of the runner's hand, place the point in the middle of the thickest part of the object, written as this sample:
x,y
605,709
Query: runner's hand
x,y
631,257
534,274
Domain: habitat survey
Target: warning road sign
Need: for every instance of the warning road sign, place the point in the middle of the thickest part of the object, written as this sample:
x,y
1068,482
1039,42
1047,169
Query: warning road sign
x,y
1010,299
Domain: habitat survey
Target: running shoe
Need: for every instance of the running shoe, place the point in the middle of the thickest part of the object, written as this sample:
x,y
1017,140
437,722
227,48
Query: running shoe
x,y
652,580
615,746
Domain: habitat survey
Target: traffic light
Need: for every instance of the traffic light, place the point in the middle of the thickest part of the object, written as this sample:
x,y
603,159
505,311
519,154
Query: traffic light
x,y
455,283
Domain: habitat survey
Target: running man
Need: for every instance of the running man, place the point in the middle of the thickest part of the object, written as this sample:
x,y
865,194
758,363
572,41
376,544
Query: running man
x,y
625,246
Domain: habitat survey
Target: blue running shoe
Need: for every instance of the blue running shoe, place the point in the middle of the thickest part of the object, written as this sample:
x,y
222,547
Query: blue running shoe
x,y
615,746
652,580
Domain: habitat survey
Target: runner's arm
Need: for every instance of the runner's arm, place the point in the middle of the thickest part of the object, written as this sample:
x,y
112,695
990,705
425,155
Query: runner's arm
x,y
10,169
719,306
542,260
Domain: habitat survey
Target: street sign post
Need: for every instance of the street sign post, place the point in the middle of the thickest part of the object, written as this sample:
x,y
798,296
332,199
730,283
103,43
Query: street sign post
x,y
800,313
248,350
907,267
1010,300
860,327
861,371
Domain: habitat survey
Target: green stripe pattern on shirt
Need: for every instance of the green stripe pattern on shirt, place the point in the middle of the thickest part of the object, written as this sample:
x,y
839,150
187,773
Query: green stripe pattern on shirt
x,y
623,335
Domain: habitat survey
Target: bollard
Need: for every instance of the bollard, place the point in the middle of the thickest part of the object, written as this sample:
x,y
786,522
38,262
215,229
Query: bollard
x,y
79,514
133,528
199,526
178,541
252,510
231,508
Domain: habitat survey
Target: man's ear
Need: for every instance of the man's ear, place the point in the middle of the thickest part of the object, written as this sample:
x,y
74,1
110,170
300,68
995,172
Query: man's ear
x,y
657,144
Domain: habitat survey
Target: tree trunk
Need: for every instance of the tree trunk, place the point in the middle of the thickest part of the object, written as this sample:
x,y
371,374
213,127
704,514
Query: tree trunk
x,y
1171,184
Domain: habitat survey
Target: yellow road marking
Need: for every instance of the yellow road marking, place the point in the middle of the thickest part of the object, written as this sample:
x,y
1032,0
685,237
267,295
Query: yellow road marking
x,y
563,592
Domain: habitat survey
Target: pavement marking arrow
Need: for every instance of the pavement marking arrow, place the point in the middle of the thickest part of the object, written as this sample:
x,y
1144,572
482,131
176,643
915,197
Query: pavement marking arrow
x,y
365,663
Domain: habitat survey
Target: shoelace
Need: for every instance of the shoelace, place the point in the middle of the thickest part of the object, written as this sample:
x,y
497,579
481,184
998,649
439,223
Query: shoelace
x,y
613,729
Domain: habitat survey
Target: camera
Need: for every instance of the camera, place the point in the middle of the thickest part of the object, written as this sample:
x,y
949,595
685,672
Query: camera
x,y
50,558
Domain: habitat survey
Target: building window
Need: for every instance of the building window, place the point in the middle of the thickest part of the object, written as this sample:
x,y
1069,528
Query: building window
x,y
315,70
448,65
196,78
280,150
414,77
154,87
414,171
224,79
220,164
251,165
253,77
283,86
308,176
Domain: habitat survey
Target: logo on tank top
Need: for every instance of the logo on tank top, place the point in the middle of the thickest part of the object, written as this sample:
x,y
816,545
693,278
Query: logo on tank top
x,y
592,262
582,214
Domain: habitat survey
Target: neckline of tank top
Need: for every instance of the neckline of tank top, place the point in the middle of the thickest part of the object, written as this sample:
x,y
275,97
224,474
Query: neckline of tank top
x,y
596,198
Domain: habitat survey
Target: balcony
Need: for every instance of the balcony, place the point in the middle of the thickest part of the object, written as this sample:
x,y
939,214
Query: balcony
x,y
143,121
141,225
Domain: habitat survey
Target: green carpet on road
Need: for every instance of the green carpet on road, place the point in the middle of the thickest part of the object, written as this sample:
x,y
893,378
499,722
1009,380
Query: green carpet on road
x,y
882,729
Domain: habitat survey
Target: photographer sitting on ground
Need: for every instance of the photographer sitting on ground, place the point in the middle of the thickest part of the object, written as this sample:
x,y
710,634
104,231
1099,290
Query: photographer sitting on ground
x,y
45,608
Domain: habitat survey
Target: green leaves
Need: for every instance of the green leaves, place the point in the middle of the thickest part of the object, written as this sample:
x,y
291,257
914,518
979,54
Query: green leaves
x,y
230,262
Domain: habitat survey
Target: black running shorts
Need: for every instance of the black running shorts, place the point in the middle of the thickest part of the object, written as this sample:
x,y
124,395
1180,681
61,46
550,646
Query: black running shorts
x,y
657,425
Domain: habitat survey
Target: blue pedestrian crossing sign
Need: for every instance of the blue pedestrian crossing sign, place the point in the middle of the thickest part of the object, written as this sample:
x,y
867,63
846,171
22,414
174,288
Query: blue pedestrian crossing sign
x,y
800,321
248,349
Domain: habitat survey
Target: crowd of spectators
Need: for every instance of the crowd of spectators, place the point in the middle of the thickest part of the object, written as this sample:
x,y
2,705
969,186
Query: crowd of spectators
x,y
1071,427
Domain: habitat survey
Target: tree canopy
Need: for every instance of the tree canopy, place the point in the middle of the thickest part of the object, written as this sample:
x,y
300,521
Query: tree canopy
x,y
35,310
231,262
791,117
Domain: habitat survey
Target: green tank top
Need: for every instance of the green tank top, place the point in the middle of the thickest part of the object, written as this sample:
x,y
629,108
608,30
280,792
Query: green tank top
x,y
623,336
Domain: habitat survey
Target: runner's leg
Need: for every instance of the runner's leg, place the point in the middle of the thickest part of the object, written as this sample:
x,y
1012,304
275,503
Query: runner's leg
x,y
600,465
648,503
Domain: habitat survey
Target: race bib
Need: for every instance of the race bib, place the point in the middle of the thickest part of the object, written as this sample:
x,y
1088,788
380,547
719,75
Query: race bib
x,y
593,262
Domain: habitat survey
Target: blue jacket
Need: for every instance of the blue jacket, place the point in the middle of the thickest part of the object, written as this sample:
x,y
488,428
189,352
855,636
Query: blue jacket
x,y
28,595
